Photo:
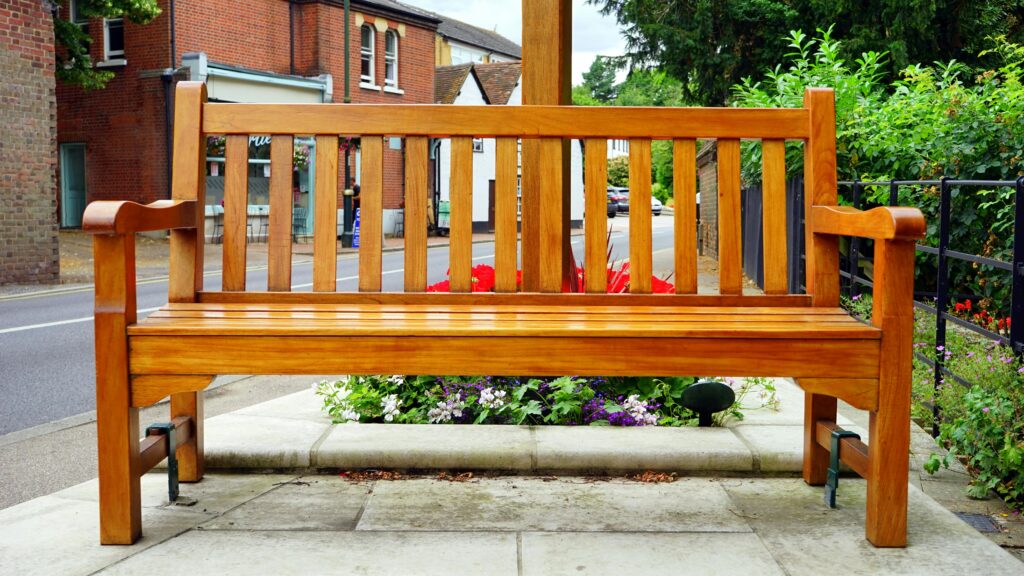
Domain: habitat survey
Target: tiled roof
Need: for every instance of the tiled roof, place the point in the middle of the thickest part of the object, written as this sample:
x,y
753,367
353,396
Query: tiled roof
x,y
498,80
448,80
475,36
401,8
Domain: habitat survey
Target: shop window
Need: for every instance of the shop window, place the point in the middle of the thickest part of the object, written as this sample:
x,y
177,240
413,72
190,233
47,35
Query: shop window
x,y
113,38
366,53
391,59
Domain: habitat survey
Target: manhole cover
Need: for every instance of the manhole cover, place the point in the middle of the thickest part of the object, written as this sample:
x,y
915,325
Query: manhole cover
x,y
980,522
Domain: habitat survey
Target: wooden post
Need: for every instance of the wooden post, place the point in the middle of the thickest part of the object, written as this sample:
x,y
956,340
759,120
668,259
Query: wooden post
x,y
822,257
117,421
547,76
889,445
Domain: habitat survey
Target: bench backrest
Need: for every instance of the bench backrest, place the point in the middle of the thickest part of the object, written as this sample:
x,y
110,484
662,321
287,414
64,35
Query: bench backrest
x,y
543,127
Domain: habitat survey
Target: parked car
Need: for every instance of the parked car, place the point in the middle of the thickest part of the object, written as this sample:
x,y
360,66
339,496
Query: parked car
x,y
656,206
613,206
621,197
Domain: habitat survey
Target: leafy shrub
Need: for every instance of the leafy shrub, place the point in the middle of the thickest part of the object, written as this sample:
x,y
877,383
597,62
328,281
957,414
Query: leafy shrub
x,y
618,171
566,400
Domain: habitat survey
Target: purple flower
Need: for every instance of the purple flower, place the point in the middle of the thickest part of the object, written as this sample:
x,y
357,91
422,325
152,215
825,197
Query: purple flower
x,y
985,409
940,348
857,297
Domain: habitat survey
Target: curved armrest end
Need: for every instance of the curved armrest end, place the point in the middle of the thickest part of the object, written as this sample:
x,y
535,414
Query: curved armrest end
x,y
124,217
883,223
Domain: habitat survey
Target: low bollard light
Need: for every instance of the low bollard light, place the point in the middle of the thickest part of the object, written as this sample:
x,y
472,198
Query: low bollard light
x,y
705,397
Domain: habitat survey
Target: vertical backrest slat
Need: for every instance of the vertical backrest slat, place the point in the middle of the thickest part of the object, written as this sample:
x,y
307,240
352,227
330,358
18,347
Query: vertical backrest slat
x,y
505,223
773,203
595,215
236,204
640,216
325,215
279,270
822,252
549,175
684,169
371,213
188,183
460,247
415,226
730,240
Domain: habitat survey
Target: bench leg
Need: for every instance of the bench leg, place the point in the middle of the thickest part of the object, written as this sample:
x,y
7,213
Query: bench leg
x,y
190,454
816,407
888,460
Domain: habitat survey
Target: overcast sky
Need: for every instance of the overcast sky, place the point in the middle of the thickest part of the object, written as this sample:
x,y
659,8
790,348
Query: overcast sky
x,y
592,33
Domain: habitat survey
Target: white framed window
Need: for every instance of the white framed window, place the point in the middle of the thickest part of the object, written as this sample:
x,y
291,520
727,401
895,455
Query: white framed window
x,y
478,144
391,59
113,38
367,55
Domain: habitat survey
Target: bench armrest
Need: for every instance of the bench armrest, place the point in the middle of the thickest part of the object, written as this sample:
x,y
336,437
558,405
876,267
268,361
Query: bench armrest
x,y
122,217
884,223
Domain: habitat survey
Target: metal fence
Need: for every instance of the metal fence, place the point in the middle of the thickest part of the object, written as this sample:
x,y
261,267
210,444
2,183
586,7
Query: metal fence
x,y
853,281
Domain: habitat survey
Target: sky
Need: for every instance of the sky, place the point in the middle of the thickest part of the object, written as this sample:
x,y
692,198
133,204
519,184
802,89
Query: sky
x,y
592,33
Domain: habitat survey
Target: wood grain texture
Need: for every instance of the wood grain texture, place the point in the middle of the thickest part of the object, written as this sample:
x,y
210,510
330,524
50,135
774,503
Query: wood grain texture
x,y
117,421
640,252
889,426
532,121
822,253
730,234
148,390
684,165
461,231
279,249
325,215
817,407
125,217
505,217
852,452
415,226
505,356
191,462
188,183
236,204
371,214
773,202
882,223
862,394
595,215
551,215
530,217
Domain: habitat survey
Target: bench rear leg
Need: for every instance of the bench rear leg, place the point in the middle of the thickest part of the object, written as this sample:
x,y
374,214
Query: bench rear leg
x,y
190,454
816,407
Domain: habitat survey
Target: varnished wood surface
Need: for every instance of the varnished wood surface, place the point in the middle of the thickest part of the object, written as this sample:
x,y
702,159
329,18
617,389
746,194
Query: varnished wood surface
x,y
730,233
325,215
148,390
415,225
529,121
822,252
640,256
862,394
505,216
279,250
773,202
460,240
551,215
124,217
595,215
371,214
509,356
852,452
236,218
188,183
882,223
684,162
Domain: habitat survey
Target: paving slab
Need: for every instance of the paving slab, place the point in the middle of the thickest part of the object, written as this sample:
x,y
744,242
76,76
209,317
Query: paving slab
x,y
301,553
309,503
805,537
532,504
611,449
304,405
776,448
246,441
427,446
599,554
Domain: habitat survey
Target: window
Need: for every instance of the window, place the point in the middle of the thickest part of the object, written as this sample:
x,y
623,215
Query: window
x,y
391,59
478,144
77,17
366,75
113,38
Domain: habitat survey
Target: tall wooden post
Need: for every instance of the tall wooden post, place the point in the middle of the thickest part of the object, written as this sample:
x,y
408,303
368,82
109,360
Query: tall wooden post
x,y
547,76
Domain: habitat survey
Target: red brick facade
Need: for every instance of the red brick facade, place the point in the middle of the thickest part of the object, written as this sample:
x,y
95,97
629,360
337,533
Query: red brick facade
x,y
123,126
28,225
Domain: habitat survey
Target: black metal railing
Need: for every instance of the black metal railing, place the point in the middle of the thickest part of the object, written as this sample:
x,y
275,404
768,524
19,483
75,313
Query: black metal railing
x,y
853,281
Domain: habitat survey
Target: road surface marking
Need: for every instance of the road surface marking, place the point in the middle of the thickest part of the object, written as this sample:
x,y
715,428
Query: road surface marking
x,y
60,322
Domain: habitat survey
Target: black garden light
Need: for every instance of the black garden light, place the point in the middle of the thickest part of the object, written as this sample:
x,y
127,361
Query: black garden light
x,y
705,397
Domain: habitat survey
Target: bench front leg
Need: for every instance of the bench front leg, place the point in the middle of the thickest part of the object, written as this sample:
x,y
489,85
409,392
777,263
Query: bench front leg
x,y
117,421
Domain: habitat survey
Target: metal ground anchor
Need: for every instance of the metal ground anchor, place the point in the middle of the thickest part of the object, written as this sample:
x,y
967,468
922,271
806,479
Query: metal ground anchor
x,y
832,484
166,429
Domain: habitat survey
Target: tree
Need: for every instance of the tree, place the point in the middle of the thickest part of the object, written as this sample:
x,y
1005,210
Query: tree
x,y
73,62
618,171
599,81
712,44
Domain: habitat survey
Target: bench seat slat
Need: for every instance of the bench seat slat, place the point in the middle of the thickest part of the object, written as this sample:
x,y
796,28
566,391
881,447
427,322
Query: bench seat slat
x,y
492,299
484,308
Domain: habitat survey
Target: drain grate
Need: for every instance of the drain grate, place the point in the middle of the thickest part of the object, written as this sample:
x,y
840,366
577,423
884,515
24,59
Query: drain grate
x,y
980,522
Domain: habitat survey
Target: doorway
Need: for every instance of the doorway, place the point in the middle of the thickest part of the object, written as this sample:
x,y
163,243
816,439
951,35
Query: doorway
x,y
72,185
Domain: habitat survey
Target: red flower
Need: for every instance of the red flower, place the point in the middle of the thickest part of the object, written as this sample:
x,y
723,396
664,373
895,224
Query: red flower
x,y
483,278
442,286
967,305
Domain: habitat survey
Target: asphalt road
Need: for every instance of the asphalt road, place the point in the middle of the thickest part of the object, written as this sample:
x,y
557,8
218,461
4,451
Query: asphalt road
x,y
46,340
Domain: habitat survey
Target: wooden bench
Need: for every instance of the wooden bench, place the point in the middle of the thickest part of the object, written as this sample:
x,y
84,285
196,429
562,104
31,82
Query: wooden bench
x,y
245,329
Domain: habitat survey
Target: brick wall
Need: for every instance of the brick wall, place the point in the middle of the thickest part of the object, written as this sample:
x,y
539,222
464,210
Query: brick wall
x,y
707,177
28,226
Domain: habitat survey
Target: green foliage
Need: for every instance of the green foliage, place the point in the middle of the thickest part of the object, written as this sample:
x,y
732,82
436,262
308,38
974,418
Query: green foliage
x,y
711,46
618,171
926,125
73,62
599,80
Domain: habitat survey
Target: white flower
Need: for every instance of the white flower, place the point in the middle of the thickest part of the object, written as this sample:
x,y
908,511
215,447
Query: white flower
x,y
491,398
395,379
446,409
390,404
638,411
348,414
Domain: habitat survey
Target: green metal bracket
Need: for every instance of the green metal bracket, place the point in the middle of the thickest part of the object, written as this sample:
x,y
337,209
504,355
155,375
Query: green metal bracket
x,y
832,484
166,429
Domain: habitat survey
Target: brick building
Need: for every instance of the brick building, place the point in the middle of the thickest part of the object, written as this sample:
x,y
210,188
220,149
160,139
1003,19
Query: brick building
x,y
114,142
28,228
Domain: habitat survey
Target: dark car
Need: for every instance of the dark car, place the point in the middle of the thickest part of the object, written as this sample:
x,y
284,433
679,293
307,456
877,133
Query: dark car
x,y
621,197
613,206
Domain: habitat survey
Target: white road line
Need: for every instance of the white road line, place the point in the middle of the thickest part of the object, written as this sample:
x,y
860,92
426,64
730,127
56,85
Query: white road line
x,y
395,271
60,322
